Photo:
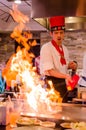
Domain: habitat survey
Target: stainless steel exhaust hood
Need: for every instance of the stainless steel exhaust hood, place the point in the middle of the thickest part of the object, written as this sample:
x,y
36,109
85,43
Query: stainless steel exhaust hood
x,y
73,10
47,8
75,23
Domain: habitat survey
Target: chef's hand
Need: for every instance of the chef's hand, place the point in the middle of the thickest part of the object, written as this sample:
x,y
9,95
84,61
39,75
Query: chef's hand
x,y
68,78
72,65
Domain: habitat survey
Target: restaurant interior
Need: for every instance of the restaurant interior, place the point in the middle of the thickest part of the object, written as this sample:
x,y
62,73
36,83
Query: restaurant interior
x,y
25,101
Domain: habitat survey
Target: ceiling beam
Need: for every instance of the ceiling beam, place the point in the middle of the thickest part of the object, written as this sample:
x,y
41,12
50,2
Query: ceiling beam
x,y
27,3
6,5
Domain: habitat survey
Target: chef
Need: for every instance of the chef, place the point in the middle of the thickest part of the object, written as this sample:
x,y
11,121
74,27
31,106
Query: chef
x,y
54,57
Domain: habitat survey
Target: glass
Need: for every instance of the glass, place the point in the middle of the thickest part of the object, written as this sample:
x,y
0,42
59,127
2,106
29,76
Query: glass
x,y
14,113
13,118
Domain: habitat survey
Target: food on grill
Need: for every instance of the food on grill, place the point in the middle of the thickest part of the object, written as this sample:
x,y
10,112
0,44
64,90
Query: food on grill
x,y
66,125
25,121
78,126
74,125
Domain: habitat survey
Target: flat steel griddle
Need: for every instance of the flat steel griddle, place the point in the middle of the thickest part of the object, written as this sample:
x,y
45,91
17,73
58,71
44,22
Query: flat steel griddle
x,y
70,112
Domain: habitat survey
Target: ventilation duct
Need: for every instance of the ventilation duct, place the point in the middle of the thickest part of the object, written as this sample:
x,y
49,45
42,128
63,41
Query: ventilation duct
x,y
73,10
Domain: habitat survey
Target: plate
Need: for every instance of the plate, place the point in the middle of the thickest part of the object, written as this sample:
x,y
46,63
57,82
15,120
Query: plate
x,y
66,125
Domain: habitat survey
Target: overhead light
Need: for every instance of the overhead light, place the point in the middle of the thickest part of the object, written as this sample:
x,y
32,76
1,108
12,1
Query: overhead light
x,y
17,1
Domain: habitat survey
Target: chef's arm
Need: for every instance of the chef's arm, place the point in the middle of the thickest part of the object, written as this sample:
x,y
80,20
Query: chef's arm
x,y
57,74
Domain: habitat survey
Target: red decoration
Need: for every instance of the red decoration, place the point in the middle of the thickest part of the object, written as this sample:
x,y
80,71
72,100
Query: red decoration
x,y
59,28
61,52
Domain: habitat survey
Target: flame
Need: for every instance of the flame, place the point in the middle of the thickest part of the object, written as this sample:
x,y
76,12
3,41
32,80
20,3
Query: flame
x,y
19,69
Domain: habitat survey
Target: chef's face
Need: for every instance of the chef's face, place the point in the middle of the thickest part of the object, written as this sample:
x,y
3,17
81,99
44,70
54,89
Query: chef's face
x,y
58,36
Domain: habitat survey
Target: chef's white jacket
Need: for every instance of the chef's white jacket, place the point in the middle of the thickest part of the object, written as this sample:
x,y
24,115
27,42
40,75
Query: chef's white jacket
x,y
50,58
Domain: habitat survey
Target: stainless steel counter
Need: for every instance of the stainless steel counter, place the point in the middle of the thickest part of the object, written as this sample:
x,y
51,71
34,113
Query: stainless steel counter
x,y
69,112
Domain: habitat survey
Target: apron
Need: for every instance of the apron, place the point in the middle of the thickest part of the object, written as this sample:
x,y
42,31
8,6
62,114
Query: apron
x,y
60,86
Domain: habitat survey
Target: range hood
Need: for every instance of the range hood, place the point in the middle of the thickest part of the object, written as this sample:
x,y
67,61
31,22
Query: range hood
x,y
73,10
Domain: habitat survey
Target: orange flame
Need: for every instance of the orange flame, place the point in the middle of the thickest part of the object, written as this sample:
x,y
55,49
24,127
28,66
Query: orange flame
x,y
19,68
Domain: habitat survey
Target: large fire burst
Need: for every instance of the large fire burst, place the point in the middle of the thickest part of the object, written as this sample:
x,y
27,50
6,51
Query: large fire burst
x,y
19,68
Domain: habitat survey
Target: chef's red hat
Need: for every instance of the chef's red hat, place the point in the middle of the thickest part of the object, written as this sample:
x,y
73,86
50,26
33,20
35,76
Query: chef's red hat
x,y
57,23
